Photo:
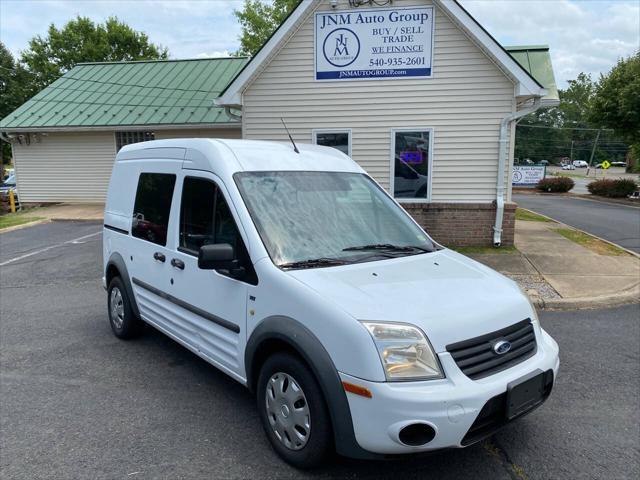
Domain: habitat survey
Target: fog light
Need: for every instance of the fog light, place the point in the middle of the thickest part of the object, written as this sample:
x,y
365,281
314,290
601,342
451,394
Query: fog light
x,y
417,434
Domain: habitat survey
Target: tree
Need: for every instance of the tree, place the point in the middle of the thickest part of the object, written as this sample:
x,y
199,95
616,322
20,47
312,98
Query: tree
x,y
616,103
575,101
16,87
81,40
259,20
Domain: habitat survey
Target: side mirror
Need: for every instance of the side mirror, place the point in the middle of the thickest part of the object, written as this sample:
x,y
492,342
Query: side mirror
x,y
219,256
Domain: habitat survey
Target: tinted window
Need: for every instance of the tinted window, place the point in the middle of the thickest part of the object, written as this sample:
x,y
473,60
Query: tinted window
x,y
337,140
205,218
411,166
152,207
196,213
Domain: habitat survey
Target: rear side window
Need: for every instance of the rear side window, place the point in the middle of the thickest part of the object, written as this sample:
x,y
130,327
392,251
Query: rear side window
x,y
152,207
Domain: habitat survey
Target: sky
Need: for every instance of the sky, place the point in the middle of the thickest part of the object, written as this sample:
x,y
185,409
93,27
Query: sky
x,y
584,35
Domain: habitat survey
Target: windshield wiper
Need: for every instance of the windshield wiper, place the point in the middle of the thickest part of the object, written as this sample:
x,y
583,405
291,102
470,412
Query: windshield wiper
x,y
314,262
388,247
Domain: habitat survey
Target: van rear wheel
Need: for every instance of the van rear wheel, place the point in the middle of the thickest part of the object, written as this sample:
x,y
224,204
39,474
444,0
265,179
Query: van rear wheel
x,y
124,323
293,411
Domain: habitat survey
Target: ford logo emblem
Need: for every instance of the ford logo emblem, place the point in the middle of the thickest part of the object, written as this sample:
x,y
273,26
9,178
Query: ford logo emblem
x,y
502,347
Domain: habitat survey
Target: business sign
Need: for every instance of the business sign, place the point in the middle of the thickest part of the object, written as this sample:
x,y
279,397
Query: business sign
x,y
527,176
380,43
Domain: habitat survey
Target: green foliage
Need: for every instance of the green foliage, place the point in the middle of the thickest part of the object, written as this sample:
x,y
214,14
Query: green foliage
x,y
616,103
259,20
81,40
566,121
620,188
16,88
555,184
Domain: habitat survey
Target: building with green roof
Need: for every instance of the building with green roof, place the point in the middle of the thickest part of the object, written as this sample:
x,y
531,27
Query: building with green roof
x,y
415,91
65,138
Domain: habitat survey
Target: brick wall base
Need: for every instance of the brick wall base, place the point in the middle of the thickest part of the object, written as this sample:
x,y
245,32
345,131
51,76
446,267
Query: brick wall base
x,y
463,224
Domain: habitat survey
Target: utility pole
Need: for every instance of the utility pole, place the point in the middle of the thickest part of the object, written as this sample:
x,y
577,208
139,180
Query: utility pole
x,y
571,155
593,150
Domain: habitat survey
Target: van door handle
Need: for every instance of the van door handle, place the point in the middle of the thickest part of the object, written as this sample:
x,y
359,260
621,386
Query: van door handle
x,y
177,263
159,257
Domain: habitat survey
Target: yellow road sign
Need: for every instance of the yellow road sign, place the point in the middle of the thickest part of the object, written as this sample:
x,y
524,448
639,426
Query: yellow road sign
x,y
606,164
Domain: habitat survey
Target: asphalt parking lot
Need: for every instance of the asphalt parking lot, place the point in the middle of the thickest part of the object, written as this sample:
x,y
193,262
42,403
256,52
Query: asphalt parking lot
x,y
75,402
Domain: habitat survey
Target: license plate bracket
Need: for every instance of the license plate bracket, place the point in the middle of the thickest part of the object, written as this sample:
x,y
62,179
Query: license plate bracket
x,y
525,394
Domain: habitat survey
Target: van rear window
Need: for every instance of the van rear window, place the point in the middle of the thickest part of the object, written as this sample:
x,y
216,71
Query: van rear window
x,y
152,207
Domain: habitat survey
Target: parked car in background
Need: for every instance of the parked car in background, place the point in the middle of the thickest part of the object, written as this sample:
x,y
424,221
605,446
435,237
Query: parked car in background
x,y
618,164
290,270
7,186
544,162
580,164
568,166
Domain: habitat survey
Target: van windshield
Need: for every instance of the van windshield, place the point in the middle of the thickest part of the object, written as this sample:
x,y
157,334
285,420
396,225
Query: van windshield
x,y
315,219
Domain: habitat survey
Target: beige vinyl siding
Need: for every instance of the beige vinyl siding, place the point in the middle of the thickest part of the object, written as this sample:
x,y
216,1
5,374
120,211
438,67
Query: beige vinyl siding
x,y
76,167
65,167
463,102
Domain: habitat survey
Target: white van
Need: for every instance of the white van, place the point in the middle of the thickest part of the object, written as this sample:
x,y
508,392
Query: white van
x,y
580,164
300,277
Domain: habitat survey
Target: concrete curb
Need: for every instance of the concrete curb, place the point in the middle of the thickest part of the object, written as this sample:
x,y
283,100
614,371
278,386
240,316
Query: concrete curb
x,y
629,296
24,225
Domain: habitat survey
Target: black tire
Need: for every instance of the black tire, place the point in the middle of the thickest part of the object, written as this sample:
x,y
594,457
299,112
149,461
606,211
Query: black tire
x,y
319,443
128,325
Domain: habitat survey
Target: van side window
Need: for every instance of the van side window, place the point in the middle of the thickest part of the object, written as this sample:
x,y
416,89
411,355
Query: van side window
x,y
152,207
205,218
196,213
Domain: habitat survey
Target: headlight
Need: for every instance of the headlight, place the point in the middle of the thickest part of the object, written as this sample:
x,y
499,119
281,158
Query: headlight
x,y
405,352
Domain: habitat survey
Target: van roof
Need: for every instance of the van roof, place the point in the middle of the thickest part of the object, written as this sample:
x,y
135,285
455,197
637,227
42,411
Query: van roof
x,y
242,155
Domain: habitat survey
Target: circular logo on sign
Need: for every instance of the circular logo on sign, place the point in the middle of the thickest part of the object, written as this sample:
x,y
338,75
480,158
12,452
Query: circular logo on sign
x,y
341,47
517,176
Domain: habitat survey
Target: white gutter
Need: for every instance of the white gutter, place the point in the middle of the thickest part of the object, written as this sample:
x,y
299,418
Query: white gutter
x,y
502,161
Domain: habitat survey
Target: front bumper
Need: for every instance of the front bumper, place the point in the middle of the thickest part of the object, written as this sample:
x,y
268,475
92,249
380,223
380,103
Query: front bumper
x,y
450,406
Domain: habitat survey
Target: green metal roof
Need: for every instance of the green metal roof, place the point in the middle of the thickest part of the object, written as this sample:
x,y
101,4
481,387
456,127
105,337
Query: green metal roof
x,y
164,92
536,60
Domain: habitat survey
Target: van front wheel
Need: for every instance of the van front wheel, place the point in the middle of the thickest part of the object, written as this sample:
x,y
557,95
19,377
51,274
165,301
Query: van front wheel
x,y
121,317
293,411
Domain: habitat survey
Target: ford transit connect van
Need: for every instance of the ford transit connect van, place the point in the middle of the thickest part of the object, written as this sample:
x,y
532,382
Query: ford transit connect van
x,y
300,277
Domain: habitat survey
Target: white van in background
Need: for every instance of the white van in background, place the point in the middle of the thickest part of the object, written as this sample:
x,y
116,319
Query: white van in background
x,y
580,164
295,273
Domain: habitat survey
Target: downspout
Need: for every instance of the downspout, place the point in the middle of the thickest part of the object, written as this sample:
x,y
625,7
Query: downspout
x,y
502,161
231,115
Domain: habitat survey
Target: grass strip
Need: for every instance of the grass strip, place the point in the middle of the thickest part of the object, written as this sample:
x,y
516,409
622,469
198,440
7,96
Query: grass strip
x,y
19,218
528,216
591,243
485,250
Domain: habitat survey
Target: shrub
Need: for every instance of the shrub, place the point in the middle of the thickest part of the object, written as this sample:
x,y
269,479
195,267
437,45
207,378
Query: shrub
x,y
555,184
619,188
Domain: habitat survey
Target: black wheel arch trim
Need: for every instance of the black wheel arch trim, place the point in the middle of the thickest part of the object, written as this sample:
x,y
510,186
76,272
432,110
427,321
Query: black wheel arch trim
x,y
307,345
116,261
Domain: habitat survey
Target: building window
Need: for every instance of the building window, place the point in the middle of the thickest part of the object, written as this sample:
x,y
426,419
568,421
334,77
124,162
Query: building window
x,y
339,139
152,207
411,163
125,138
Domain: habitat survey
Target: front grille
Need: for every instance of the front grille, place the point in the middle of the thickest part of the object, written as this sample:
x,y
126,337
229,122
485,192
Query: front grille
x,y
476,358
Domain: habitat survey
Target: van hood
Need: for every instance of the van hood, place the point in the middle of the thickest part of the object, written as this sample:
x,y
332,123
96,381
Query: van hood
x,y
449,296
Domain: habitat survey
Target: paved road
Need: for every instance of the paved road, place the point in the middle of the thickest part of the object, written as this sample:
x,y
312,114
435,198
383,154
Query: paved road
x,y
75,402
617,223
